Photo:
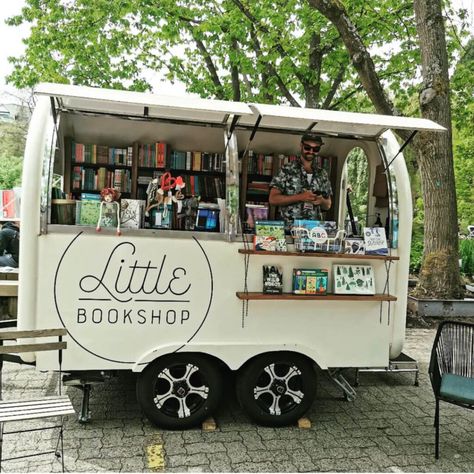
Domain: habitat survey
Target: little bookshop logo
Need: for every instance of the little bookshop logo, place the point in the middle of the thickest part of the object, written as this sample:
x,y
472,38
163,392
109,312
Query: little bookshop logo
x,y
126,289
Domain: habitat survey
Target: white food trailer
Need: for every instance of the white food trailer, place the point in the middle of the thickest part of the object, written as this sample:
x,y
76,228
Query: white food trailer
x,y
178,307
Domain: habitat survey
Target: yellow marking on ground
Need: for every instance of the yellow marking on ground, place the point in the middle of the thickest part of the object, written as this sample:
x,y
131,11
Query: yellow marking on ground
x,y
155,457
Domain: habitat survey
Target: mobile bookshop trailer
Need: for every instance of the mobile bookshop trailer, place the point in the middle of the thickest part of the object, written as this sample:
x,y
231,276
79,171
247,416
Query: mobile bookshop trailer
x,y
180,306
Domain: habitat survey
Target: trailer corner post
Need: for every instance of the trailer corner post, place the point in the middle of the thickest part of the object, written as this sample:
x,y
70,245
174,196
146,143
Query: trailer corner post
x,y
36,145
232,185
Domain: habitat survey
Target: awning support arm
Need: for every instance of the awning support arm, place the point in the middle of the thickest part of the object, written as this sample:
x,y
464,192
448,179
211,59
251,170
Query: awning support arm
x,y
407,141
233,125
252,135
53,111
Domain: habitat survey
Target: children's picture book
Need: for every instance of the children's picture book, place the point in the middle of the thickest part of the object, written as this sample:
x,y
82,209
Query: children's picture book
x,y
272,279
270,236
354,280
354,246
375,241
89,212
132,213
310,281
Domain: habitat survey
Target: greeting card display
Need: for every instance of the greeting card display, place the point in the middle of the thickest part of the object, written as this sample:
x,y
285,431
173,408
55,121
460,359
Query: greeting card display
x,y
375,241
354,280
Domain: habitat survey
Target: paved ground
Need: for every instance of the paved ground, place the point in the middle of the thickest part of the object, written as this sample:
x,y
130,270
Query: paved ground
x,y
389,428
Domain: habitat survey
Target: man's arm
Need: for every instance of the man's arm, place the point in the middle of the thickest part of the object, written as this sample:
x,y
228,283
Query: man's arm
x,y
277,198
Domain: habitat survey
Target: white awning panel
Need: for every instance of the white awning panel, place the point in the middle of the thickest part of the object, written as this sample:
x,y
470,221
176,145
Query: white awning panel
x,y
91,99
333,122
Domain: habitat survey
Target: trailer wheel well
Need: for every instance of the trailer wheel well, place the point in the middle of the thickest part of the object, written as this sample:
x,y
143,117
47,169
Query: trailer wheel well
x,y
219,362
249,361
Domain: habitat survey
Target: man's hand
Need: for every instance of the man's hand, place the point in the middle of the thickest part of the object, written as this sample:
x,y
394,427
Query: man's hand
x,y
325,203
308,196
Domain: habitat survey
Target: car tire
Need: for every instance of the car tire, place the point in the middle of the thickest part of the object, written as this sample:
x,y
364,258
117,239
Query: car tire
x,y
276,389
179,391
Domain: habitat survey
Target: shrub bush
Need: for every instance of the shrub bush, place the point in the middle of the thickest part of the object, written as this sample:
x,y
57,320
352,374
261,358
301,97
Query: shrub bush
x,y
466,253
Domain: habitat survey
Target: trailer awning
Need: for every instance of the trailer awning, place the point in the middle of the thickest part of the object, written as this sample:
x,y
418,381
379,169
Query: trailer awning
x,y
330,122
139,104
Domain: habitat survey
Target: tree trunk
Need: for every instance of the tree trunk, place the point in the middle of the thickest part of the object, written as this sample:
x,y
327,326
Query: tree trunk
x,y
439,276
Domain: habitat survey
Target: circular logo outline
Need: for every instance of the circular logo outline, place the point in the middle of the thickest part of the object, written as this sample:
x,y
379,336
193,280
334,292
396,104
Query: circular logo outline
x,y
121,361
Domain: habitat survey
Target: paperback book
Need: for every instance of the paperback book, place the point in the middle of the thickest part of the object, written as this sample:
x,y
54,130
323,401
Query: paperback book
x,y
272,279
354,280
375,241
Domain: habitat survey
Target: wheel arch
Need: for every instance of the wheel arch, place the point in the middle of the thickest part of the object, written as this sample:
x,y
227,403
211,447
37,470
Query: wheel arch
x,y
232,356
280,353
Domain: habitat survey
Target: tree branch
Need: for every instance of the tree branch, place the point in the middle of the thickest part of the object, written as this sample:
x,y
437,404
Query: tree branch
x,y
334,86
271,71
210,66
313,87
234,72
278,47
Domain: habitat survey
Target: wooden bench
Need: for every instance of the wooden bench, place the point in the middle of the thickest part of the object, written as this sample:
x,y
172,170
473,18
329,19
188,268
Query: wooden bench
x,y
8,295
38,407
9,288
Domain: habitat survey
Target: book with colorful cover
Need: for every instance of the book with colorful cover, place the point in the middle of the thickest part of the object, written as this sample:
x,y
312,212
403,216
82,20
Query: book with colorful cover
x,y
270,236
89,211
375,241
310,281
255,212
272,279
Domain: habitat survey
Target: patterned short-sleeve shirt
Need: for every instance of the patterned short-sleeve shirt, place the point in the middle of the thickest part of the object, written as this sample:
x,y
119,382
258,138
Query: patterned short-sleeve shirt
x,y
292,179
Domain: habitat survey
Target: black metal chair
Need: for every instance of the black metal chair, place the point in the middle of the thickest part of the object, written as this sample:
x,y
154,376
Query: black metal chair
x,y
452,368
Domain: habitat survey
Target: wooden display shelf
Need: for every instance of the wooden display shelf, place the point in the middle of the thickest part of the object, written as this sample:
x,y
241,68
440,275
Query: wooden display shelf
x,y
242,295
320,255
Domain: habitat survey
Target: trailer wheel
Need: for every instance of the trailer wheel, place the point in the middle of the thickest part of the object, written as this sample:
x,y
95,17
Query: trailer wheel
x,y
276,389
179,391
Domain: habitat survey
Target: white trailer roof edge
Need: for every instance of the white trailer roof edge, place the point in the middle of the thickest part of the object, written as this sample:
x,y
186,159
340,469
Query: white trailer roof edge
x,y
129,102
326,122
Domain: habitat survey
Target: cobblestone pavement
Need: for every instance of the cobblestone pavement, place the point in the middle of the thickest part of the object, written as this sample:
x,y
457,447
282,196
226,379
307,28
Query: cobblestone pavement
x,y
388,428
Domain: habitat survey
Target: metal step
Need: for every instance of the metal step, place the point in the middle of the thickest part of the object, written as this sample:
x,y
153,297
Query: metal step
x,y
402,363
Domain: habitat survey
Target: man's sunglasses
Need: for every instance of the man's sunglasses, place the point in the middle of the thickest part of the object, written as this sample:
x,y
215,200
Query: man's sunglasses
x,y
311,148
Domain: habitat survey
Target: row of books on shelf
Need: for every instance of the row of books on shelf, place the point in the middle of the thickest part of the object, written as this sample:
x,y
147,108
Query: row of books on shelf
x,y
150,155
195,185
347,280
264,164
196,161
258,187
97,179
318,236
101,154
